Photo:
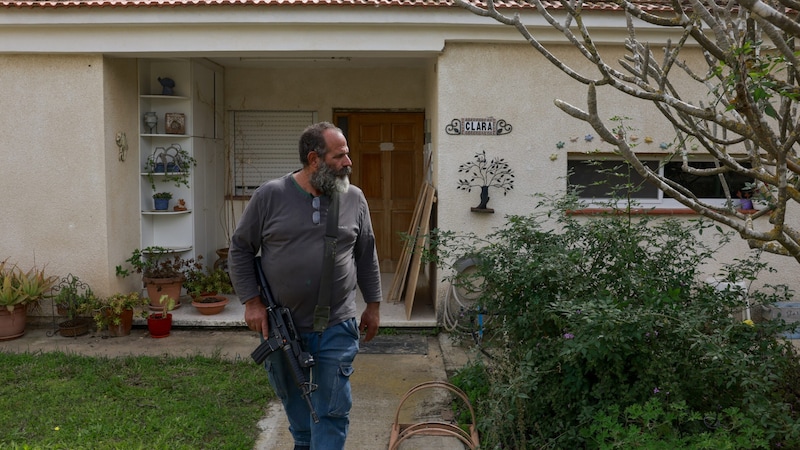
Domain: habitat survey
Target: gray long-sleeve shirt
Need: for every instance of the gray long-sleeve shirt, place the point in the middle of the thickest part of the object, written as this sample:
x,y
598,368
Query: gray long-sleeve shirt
x,y
278,221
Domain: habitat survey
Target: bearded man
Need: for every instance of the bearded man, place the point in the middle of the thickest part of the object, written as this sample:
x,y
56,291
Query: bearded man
x,y
286,221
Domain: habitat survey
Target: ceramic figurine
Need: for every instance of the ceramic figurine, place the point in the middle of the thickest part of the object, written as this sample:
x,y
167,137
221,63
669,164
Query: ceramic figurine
x,y
150,121
181,206
167,85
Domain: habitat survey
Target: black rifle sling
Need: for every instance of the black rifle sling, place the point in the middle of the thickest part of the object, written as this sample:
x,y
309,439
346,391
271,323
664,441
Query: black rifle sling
x,y
322,312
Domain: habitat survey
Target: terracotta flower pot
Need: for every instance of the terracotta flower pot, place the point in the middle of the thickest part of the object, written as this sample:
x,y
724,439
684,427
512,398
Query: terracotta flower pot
x,y
12,324
222,259
156,287
210,305
158,325
123,328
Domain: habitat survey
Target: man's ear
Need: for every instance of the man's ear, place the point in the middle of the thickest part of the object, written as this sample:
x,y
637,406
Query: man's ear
x,y
313,158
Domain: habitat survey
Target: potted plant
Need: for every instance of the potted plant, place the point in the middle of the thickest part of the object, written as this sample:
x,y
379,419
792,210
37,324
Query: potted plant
x,y
161,200
73,298
203,284
116,312
204,280
162,272
20,291
172,165
484,174
209,305
159,324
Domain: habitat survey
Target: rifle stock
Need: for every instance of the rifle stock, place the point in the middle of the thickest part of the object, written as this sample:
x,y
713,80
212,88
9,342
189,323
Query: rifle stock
x,y
283,336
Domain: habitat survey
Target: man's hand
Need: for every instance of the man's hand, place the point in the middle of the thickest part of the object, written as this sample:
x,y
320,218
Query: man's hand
x,y
370,320
255,316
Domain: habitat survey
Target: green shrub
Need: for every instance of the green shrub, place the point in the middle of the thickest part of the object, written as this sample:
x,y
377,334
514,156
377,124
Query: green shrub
x,y
601,317
656,424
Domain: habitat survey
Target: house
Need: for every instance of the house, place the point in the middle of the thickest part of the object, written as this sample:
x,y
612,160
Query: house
x,y
421,87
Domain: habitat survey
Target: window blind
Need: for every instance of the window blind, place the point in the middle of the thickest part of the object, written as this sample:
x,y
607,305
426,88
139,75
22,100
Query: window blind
x,y
265,146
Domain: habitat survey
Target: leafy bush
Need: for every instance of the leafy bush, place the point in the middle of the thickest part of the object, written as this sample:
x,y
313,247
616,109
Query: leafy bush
x,y
607,319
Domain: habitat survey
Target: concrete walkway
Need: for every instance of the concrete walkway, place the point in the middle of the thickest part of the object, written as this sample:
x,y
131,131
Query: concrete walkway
x,y
385,370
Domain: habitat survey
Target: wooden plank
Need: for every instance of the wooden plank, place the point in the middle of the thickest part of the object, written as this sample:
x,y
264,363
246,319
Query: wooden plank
x,y
422,235
396,290
395,293
391,294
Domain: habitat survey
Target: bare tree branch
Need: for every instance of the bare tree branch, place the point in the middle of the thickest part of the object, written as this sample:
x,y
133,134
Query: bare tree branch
x,y
750,72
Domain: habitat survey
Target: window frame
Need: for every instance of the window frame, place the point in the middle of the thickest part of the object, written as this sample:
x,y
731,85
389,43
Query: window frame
x,y
660,200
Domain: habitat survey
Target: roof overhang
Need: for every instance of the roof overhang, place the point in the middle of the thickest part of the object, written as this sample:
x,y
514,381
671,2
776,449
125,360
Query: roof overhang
x,y
247,29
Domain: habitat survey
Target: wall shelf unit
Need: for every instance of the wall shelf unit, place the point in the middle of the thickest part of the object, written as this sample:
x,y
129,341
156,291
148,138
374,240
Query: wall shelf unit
x,y
193,132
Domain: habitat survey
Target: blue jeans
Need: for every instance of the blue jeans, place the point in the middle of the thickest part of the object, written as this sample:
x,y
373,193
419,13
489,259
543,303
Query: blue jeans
x,y
333,351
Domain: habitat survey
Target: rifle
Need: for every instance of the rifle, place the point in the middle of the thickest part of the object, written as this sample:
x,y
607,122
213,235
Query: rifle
x,y
283,336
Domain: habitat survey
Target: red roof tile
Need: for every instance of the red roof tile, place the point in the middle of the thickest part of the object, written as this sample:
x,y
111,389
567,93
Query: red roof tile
x,y
653,5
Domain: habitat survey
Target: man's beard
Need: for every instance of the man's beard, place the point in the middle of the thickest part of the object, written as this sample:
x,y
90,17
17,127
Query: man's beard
x,y
327,180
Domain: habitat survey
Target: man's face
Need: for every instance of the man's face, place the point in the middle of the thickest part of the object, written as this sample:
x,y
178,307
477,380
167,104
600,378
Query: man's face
x,y
333,172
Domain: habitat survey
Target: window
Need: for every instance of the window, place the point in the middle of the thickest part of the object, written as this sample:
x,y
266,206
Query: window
x,y
601,177
265,146
706,187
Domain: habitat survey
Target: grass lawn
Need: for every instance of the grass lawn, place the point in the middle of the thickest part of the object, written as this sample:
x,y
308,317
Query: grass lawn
x,y
65,401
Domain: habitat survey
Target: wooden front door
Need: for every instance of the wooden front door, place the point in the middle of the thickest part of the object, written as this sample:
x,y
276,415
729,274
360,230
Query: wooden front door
x,y
387,153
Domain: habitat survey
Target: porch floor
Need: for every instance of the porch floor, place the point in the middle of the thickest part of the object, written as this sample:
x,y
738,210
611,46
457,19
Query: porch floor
x,y
423,314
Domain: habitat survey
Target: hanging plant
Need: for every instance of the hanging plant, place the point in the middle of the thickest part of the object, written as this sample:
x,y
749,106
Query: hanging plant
x,y
173,165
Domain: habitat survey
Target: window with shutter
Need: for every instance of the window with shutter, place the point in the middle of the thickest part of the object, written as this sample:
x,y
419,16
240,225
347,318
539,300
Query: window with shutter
x,y
265,146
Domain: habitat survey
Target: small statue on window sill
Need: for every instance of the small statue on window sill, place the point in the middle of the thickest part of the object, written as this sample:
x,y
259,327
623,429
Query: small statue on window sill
x,y
181,206
745,202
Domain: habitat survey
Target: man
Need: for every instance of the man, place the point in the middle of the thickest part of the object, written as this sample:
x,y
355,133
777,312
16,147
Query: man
x,y
286,220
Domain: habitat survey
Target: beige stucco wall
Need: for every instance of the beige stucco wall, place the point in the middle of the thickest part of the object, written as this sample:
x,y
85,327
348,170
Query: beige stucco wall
x,y
54,177
323,90
66,194
516,84
122,172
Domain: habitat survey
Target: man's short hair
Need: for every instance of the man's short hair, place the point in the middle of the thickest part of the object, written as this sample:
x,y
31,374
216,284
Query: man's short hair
x,y
313,140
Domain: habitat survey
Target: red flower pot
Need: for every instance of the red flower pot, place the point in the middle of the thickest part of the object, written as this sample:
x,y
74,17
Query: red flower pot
x,y
158,325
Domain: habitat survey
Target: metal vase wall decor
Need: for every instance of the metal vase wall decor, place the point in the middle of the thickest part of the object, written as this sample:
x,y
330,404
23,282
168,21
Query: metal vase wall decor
x,y
483,173
484,197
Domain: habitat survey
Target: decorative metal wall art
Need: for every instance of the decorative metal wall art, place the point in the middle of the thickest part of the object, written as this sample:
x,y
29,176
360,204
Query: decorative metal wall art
x,y
122,144
166,160
488,126
483,173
